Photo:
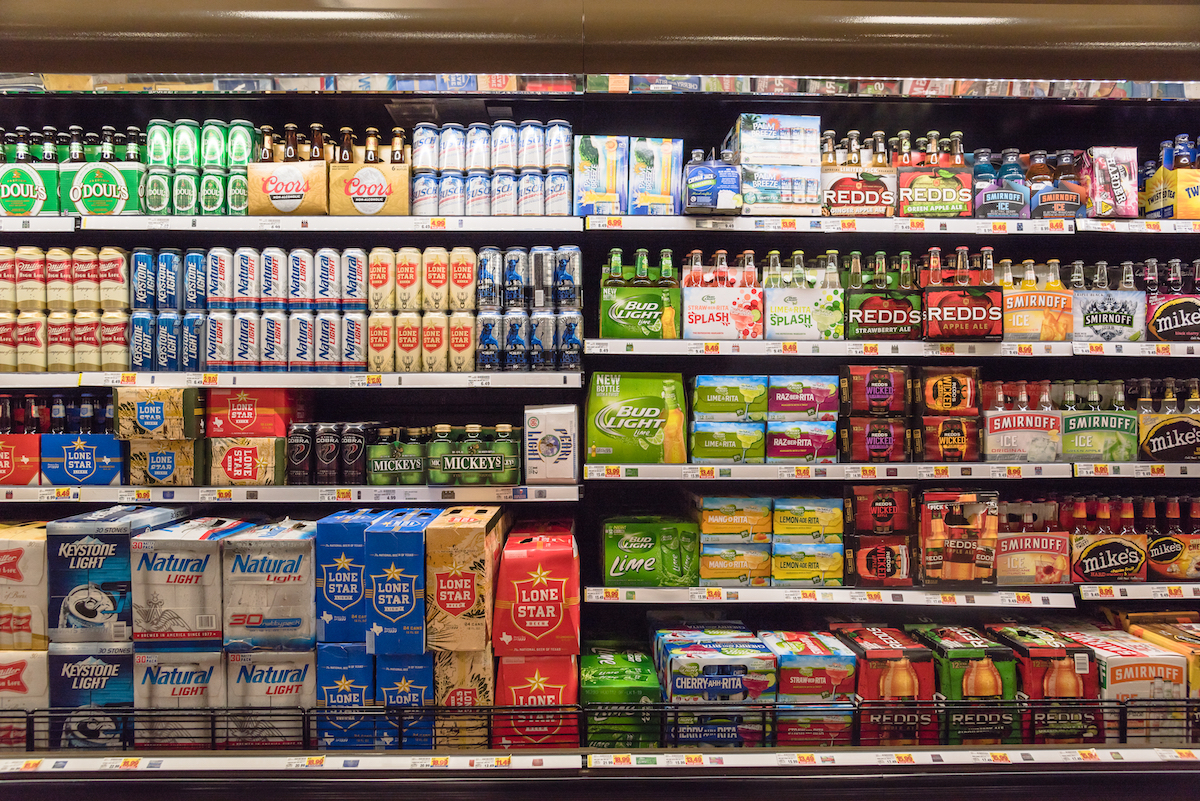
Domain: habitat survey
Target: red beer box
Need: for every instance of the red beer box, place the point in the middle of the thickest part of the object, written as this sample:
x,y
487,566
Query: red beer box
x,y
254,412
874,390
20,459
537,681
537,597
875,439
964,313
894,668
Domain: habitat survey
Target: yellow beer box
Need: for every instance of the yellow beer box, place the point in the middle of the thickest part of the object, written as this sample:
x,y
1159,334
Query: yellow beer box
x,y
1173,193
247,461
379,189
463,679
735,565
154,413
168,463
290,187
731,519
807,564
818,520
1038,315
461,549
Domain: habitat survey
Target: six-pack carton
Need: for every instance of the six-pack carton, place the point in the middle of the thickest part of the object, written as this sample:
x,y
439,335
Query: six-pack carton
x,y
537,597
895,669
20,459
971,666
268,689
151,413
617,683
285,188
253,412
90,459
23,587
178,680
461,548
539,681
24,685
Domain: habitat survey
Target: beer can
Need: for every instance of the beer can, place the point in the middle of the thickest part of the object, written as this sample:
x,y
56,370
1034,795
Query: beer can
x,y
541,274
479,146
185,144
210,192
219,275
462,342
327,282
247,278
237,193
489,290
516,278
166,342
274,278
241,143
185,191
195,279
354,342
354,279
504,145
516,340
435,279
158,143
328,333
300,454
8,279
144,279
60,346
192,345
381,342
541,341
327,446
114,340
60,288
301,341
273,357
381,279
559,144
504,193
452,202
85,340
478,193
168,280
353,454
424,194
452,148
114,279
568,277
408,279
247,340
531,193
31,278
424,146
214,144
218,351
157,194
568,339
8,341
143,327
435,342
408,342
301,280
85,279
31,342
531,145
558,193
462,279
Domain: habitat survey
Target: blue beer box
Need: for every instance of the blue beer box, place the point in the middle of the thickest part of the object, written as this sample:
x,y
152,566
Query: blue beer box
x,y
345,678
91,684
94,459
395,582
456,82
402,682
341,554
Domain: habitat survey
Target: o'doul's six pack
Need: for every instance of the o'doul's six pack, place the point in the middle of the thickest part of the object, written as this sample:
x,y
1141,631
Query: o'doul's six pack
x,y
268,586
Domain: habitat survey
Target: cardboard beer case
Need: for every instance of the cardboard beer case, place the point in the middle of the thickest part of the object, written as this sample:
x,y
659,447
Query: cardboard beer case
x,y
537,597
23,587
404,681
1173,318
340,554
964,313
537,681
461,548
247,461
858,191
159,413
28,189
971,666
98,188
395,593
463,679
722,313
168,463
933,191
1108,315
895,669
1038,315
804,314
380,189
279,188
20,459
95,459
254,412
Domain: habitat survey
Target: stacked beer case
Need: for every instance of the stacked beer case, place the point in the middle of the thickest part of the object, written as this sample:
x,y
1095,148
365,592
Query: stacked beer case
x,y
23,641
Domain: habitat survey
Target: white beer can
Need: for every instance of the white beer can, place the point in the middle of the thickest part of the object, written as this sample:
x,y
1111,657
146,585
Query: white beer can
x,y
8,279
328,279
31,279
381,342
273,357
462,342
354,279
354,342
218,349
114,279
408,279
462,279
301,277
85,339
31,341
114,340
85,278
219,269
247,279
60,349
327,357
435,342
408,342
247,340
274,291
60,295
435,279
381,280
301,341
8,341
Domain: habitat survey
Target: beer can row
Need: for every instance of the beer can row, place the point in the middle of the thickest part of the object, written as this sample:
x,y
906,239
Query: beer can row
x,y
61,279
64,341
189,192
501,145
188,144
517,341
503,193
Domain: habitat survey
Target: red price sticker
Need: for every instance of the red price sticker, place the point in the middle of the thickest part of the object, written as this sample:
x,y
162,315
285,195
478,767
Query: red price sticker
x,y
128,379
611,594
1099,470
1174,591
916,225
999,228
1014,471
1024,350
1058,227
224,495
1109,226
905,759
1162,348
622,760
871,349
1096,348
806,759
1158,470
1105,592
1154,226
946,349
208,379
1022,598
808,595
802,472
437,223
849,225
439,762
789,347
999,757
787,224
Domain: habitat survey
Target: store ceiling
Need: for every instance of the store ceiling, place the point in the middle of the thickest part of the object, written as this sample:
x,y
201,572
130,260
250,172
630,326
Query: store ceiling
x,y
1129,40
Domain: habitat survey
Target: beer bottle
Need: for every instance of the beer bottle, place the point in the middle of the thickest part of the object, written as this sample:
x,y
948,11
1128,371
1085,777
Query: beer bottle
x,y
793,272
438,449
1183,152
853,149
1029,279
371,156
879,157
828,150
674,428
1065,170
316,152
35,146
1070,402
472,445
641,261
962,268
1022,402
266,150
1126,283
893,144
957,157
1118,396
935,266
133,148
933,149
615,274
1145,404
1006,274
108,144
695,271
1100,275
291,142
1170,403
983,170
773,279
413,465
1044,402
856,281
1039,173
906,271
1103,527
510,450
49,154
346,149
833,277
1080,525
1150,519
22,154
1126,527
6,414
1054,275
905,149
987,268
397,156
748,275
1150,276
1192,404
666,269
379,455
75,147
1092,404
881,270
720,269
33,416
1175,274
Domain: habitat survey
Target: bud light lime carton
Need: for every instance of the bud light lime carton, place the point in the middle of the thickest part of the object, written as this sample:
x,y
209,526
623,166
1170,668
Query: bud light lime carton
x,y
345,678
395,582
728,398
634,312
91,459
94,681
655,173
727,443
269,588
99,188
636,418
651,551
616,687
601,175
403,683
340,552
28,189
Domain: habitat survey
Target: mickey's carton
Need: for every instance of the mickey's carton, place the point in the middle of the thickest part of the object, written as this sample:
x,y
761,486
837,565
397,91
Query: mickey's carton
x,y
404,683
537,597
816,674
971,666
395,594
461,548
463,679
537,681
23,583
340,556
894,669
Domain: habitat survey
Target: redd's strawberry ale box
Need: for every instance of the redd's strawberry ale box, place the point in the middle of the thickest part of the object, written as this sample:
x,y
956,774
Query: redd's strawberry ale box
x,y
537,597
537,681
461,547
895,669
1054,670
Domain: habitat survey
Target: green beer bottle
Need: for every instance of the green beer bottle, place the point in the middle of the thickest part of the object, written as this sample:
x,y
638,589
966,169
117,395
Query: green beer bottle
x,y
508,448
412,456
379,453
471,446
439,449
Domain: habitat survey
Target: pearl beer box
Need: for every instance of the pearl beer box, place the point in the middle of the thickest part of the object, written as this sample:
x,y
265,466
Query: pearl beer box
x,y
171,414
1169,437
254,412
1173,318
20,459
247,461
94,459
380,189
958,314
168,463
99,188
284,188
30,189
934,192
23,588
341,555
394,578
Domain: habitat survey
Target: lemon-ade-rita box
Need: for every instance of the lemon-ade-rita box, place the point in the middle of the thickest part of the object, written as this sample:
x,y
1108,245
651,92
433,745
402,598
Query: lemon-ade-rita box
x,y
168,463
394,579
93,459
28,189
805,314
341,554
808,520
807,564
20,459
461,548
170,414
278,188
1038,315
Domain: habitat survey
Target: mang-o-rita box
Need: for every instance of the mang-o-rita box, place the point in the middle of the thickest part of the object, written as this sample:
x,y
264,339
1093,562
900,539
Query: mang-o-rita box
x,y
655,176
153,413
279,188
168,463
90,459
601,175
731,518
23,586
20,459
247,461
254,412
462,546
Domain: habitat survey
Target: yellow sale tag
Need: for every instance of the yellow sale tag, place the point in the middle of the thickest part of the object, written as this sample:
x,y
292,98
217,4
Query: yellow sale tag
x,y
1105,592
1185,753
999,228
62,493
708,472
916,225
712,348
1154,225
802,472
614,222
141,495
868,472
439,762
905,759
224,495
1089,755
1096,348
806,759
1022,597
503,761
949,599
849,225
130,763
128,379
787,224
374,380
612,594
713,594
808,595
314,762
871,349
693,759
941,471
946,349
789,347
343,494
1099,470
1024,350
208,379
612,471
1014,471
1057,226
437,223
875,596
622,759
1158,470
1174,591
1162,348
999,757
31,764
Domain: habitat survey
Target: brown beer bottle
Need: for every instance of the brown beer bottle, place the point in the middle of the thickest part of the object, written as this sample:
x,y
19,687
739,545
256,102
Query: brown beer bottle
x,y
317,134
397,146
346,149
266,151
372,150
291,142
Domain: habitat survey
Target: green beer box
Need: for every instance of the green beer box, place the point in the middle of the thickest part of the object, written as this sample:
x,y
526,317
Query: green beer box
x,y
159,413
640,312
1099,436
636,418
728,443
101,188
496,463
613,685
971,666
28,189
729,398
651,551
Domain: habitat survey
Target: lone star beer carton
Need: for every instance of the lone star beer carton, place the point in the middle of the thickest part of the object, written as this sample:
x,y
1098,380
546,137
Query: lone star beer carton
x,y
278,188
407,682
1055,669
24,685
971,666
247,461
23,582
345,678
92,459
170,414
168,463
815,667
537,597
537,681
395,582
463,679
895,669
20,459
253,412
341,554
461,547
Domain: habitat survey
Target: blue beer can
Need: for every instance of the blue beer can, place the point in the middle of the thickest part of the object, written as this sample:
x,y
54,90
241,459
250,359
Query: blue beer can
x,y
541,341
192,345
568,340
142,327
169,280
516,341
143,271
568,277
488,332
195,279
166,347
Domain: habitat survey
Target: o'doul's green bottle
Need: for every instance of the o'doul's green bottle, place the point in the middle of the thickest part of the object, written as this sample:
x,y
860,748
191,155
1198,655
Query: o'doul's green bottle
x,y
472,446
412,457
438,450
379,456
508,448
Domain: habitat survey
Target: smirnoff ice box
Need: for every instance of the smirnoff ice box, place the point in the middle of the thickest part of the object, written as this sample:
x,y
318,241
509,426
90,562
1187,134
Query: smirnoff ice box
x,y
1031,436
23,588
177,680
95,679
268,588
89,571
404,681
464,679
395,579
177,584
1103,315
341,554
345,678
269,689
23,685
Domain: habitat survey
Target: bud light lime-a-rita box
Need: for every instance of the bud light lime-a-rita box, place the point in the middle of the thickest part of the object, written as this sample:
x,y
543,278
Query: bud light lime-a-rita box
x,y
28,189
345,678
92,682
728,398
402,683
727,443
651,551
394,579
636,418
101,188
341,554
92,459
269,588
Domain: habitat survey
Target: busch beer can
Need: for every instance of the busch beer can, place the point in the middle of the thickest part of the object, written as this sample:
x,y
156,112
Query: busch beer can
x,y
541,341
435,344
301,341
114,340
568,277
568,339
504,145
60,295
327,287
218,351
515,326
247,279
114,279
31,342
559,144
479,147
142,326
301,278
478,192
273,357
195,279
247,340
327,356
85,279
489,290
504,193
517,278
381,279
354,342
452,147
408,279
166,339
435,279
354,279
531,193
462,342
192,344
381,342
558,193
424,146
169,280
462,279
541,274
531,146
452,200
274,291
424,194
60,348
143,279
408,342
85,339
219,269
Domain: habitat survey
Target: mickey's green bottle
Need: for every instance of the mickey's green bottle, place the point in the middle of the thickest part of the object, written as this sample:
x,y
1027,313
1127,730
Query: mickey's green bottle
x,y
471,446
507,447
438,450
412,457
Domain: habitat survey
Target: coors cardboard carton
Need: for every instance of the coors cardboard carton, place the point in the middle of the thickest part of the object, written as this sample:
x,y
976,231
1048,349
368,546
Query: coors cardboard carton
x,y
297,187
537,597
379,189
461,547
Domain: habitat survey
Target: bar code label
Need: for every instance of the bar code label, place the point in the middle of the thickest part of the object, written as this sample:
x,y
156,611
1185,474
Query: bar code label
x,y
206,622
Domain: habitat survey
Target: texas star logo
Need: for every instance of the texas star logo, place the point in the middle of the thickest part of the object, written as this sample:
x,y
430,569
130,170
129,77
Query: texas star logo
x,y
342,582
455,589
243,410
79,460
393,593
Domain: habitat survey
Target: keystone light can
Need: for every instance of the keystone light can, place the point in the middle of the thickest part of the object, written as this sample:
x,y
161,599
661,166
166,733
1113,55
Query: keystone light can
x,y
354,342
192,344
142,329
219,275
166,339
195,279
169,280
301,277
143,279
247,340
354,279
274,290
327,356
247,279
488,332
301,339
218,350
274,354
328,279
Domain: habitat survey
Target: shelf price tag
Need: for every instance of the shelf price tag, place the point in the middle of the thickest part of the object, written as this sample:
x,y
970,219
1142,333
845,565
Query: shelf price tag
x,y
334,494
991,227
795,471
305,762
803,596
1159,349
1170,591
595,346
940,349
783,348
706,594
359,380
482,380
270,224
58,494
868,471
1006,471
907,224
614,222
139,495
216,495
1016,599
384,495
1016,349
